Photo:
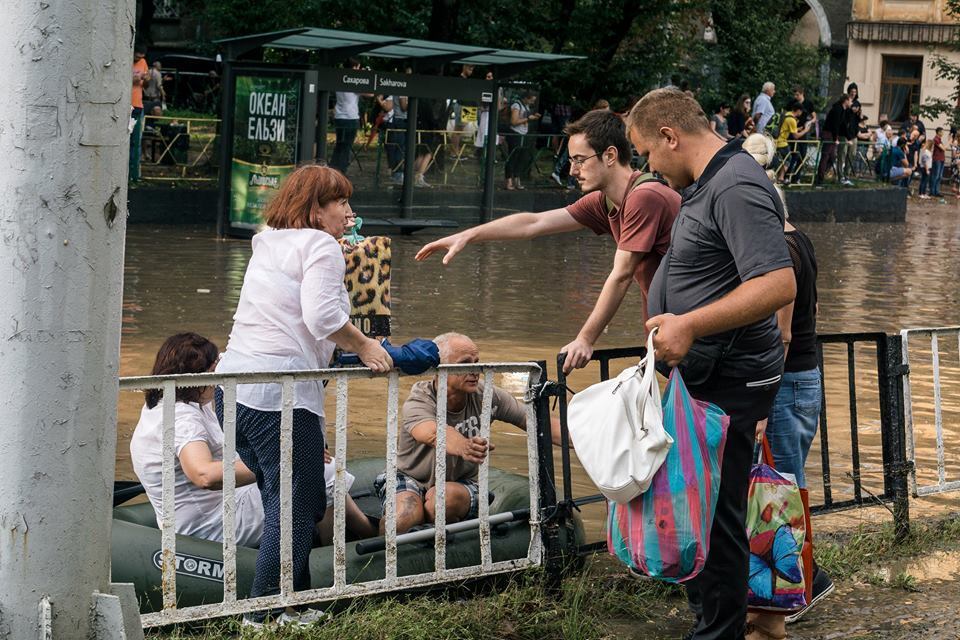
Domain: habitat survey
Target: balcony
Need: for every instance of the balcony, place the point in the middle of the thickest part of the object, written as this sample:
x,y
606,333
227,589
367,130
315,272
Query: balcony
x,y
906,32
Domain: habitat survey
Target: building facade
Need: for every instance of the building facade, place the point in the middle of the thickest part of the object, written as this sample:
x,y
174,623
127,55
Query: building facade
x,y
891,44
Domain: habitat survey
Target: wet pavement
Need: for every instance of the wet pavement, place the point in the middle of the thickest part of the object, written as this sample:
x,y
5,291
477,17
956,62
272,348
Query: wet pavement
x,y
881,604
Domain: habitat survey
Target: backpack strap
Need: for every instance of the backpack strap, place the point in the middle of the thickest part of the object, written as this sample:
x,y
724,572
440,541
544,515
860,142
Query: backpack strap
x,y
643,178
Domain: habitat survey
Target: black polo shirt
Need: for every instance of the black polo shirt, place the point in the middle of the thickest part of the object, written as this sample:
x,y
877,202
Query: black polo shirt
x,y
729,230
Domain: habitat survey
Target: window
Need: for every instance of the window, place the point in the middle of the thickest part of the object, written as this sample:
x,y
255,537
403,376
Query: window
x,y
900,86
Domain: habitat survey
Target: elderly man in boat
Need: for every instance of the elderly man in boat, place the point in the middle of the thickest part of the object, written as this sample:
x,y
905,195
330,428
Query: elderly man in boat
x,y
466,450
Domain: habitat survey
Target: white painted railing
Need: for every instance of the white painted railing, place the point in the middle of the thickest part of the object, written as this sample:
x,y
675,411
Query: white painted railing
x,y
231,604
918,340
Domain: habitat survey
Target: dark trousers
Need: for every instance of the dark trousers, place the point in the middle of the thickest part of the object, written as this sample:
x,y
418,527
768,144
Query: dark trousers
x,y
517,153
136,113
828,155
258,445
396,145
718,595
346,131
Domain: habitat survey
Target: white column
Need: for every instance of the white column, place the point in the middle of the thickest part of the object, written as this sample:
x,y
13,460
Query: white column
x,y
64,110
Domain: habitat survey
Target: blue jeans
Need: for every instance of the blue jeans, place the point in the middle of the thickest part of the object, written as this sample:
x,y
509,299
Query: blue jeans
x,y
936,177
793,421
924,181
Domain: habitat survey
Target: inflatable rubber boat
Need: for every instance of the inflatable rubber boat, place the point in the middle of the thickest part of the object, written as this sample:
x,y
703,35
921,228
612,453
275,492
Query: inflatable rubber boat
x,y
136,549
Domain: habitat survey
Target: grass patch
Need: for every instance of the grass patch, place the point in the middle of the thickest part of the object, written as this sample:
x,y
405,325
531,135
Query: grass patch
x,y
586,605
847,555
519,608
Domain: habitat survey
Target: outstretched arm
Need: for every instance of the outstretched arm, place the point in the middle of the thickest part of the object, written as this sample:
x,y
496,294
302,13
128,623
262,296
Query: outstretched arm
x,y
611,296
519,226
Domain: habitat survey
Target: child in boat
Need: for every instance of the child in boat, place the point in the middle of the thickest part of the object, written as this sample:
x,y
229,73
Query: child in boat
x,y
198,465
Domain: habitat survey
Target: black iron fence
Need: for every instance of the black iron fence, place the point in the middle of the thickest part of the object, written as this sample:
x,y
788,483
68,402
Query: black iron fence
x,y
883,404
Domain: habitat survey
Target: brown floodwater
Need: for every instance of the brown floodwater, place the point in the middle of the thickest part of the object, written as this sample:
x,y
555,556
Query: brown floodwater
x,y
523,301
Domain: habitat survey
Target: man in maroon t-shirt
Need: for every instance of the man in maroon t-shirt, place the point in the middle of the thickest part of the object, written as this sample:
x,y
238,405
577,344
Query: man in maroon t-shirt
x,y
639,218
939,157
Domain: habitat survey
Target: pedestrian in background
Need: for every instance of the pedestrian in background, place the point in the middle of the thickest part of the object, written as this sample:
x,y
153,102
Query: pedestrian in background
x,y
346,123
740,121
833,131
141,79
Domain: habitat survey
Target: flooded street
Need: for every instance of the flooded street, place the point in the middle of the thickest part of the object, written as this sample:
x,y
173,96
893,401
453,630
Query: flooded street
x,y
525,300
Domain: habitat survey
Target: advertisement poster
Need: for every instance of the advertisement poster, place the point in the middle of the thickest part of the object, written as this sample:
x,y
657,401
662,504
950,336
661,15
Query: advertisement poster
x,y
265,132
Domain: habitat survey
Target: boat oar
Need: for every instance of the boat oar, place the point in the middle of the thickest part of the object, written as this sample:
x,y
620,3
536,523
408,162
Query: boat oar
x,y
379,544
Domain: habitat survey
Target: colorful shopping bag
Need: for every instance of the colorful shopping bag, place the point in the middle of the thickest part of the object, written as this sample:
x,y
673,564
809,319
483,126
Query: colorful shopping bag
x,y
665,531
776,527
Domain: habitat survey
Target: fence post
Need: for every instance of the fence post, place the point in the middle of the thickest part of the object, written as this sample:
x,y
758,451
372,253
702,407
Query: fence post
x,y
551,517
896,467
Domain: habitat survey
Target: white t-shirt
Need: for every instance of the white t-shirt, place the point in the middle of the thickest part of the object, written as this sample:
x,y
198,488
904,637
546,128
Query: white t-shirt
x,y
198,512
293,298
348,107
523,111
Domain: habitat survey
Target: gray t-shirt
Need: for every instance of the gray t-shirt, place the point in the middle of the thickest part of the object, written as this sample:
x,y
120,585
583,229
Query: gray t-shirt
x,y
399,113
417,460
729,230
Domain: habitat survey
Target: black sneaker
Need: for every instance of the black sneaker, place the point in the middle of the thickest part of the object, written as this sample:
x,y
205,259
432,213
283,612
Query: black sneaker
x,y
822,587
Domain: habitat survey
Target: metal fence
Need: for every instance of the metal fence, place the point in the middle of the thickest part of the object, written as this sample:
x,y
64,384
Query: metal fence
x,y
454,159
931,389
885,405
182,149
339,379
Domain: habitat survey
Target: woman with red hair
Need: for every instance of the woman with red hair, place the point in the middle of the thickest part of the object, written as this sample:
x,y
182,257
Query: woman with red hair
x,y
293,311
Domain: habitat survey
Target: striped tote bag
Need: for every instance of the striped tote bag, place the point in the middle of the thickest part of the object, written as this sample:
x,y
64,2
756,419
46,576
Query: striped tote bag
x,y
665,531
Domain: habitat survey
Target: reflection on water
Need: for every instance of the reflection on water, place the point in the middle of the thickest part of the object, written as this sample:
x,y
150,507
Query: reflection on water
x,y
525,300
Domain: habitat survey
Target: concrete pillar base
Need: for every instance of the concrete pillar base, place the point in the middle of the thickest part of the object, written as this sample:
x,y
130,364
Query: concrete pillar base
x,y
116,615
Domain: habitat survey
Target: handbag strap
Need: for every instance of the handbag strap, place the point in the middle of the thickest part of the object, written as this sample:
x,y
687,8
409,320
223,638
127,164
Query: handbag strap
x,y
766,453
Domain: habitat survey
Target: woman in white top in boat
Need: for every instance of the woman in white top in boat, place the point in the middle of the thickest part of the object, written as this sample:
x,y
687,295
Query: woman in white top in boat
x,y
198,459
293,311
198,445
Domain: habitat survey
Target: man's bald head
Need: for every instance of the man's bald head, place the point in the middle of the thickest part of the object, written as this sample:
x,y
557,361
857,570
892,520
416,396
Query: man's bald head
x,y
453,345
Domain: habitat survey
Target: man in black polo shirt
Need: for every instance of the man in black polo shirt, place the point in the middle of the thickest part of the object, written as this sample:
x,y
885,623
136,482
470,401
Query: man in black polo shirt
x,y
714,299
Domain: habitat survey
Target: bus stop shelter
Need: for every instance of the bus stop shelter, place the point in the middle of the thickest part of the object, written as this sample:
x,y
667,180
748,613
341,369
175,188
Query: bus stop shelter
x,y
274,114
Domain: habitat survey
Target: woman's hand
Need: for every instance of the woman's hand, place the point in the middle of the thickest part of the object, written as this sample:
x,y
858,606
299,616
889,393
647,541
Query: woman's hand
x,y
374,356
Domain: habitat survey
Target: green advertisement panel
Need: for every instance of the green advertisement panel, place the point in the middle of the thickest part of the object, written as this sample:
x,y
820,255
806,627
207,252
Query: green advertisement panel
x,y
265,136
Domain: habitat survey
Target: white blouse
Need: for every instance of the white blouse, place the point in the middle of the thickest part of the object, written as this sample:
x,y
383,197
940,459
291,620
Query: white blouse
x,y
197,512
293,298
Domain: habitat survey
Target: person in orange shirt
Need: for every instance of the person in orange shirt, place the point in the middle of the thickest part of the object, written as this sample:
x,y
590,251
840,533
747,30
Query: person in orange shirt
x,y
141,78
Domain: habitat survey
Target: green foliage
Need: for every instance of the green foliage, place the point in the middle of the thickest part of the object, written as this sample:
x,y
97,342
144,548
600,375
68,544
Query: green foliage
x,y
630,46
753,46
949,71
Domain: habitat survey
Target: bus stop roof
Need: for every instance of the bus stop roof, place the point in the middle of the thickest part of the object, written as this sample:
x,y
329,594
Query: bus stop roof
x,y
337,45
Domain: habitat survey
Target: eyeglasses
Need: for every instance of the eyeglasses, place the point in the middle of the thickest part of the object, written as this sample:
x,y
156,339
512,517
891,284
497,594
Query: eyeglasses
x,y
578,161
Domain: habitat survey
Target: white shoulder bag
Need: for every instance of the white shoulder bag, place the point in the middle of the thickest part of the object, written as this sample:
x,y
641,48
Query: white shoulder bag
x,y
617,430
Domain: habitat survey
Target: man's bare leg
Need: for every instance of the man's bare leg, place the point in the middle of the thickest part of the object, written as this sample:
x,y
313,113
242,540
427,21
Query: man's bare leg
x,y
457,499
409,512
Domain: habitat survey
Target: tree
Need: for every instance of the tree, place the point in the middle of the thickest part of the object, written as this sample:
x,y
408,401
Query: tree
x,y
950,71
629,46
752,47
